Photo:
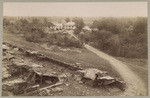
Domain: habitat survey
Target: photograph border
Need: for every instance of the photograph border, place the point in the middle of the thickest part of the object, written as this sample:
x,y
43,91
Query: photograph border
x,y
1,40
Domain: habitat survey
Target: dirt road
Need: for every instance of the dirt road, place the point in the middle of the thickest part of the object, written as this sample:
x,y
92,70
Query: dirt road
x,y
71,33
135,87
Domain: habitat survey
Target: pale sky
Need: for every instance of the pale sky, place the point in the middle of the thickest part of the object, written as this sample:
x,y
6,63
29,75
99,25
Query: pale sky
x,y
114,9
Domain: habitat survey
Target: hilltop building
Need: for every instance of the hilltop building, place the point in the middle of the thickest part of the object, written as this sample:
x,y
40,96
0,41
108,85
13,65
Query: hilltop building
x,y
69,25
58,26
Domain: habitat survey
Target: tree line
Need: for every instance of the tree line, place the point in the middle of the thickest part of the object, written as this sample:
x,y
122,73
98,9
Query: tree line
x,y
121,37
124,37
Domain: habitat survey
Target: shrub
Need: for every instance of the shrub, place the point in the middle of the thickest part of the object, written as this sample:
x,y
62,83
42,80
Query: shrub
x,y
34,35
65,40
77,31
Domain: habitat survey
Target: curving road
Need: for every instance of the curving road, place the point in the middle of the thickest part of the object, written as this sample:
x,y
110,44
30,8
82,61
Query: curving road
x,y
135,87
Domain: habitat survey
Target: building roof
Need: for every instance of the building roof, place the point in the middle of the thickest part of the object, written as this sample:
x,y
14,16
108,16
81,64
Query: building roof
x,y
70,24
58,24
86,28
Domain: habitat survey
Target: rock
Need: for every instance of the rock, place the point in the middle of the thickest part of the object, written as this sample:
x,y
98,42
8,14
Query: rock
x,y
11,52
95,77
67,84
8,57
4,69
19,88
16,49
5,47
56,89
36,65
90,73
43,92
31,52
7,93
78,78
106,80
50,91
81,82
68,74
59,93
63,78
48,81
7,87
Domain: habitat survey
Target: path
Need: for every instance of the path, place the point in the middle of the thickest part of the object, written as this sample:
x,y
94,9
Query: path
x,y
135,87
71,33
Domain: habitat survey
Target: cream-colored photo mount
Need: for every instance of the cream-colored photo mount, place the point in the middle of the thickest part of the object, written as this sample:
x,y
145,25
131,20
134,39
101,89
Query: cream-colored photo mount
x,y
75,49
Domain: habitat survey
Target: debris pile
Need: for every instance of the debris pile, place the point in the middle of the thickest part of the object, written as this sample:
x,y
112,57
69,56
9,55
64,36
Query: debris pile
x,y
50,90
95,77
22,76
6,57
41,56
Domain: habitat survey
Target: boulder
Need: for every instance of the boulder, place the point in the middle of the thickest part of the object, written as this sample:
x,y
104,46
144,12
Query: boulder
x,y
91,73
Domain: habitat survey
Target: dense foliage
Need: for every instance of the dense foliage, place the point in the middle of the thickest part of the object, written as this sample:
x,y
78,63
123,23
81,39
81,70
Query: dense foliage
x,y
79,25
123,37
119,37
62,39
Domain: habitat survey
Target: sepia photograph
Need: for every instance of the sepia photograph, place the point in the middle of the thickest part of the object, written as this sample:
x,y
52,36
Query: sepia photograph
x,y
75,49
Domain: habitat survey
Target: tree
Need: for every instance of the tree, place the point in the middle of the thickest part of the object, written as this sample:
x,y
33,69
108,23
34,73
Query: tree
x,y
6,22
77,31
140,26
36,23
22,25
78,23
67,19
34,35
46,23
109,24
95,24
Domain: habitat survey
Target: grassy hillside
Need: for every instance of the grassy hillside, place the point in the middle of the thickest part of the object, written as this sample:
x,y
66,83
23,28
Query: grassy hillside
x,y
86,58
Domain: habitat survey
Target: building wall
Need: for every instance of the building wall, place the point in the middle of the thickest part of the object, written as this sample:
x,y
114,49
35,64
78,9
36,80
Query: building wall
x,y
57,27
69,27
63,27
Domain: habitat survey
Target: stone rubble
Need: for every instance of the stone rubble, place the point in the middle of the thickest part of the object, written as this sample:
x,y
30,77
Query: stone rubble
x,y
30,76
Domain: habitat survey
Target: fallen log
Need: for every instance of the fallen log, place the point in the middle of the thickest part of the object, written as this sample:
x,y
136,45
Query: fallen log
x,y
57,84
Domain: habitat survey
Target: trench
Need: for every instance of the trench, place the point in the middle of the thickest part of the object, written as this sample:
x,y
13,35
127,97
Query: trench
x,y
43,57
55,65
40,59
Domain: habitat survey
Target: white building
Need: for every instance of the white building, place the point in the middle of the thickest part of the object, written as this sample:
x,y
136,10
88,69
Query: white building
x,y
57,26
69,26
86,28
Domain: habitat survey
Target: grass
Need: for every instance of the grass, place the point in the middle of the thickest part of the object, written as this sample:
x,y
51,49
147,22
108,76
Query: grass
x,y
86,58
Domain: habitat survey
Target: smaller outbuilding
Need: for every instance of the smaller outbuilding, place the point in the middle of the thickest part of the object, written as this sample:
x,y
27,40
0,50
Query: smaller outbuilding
x,y
87,28
58,26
